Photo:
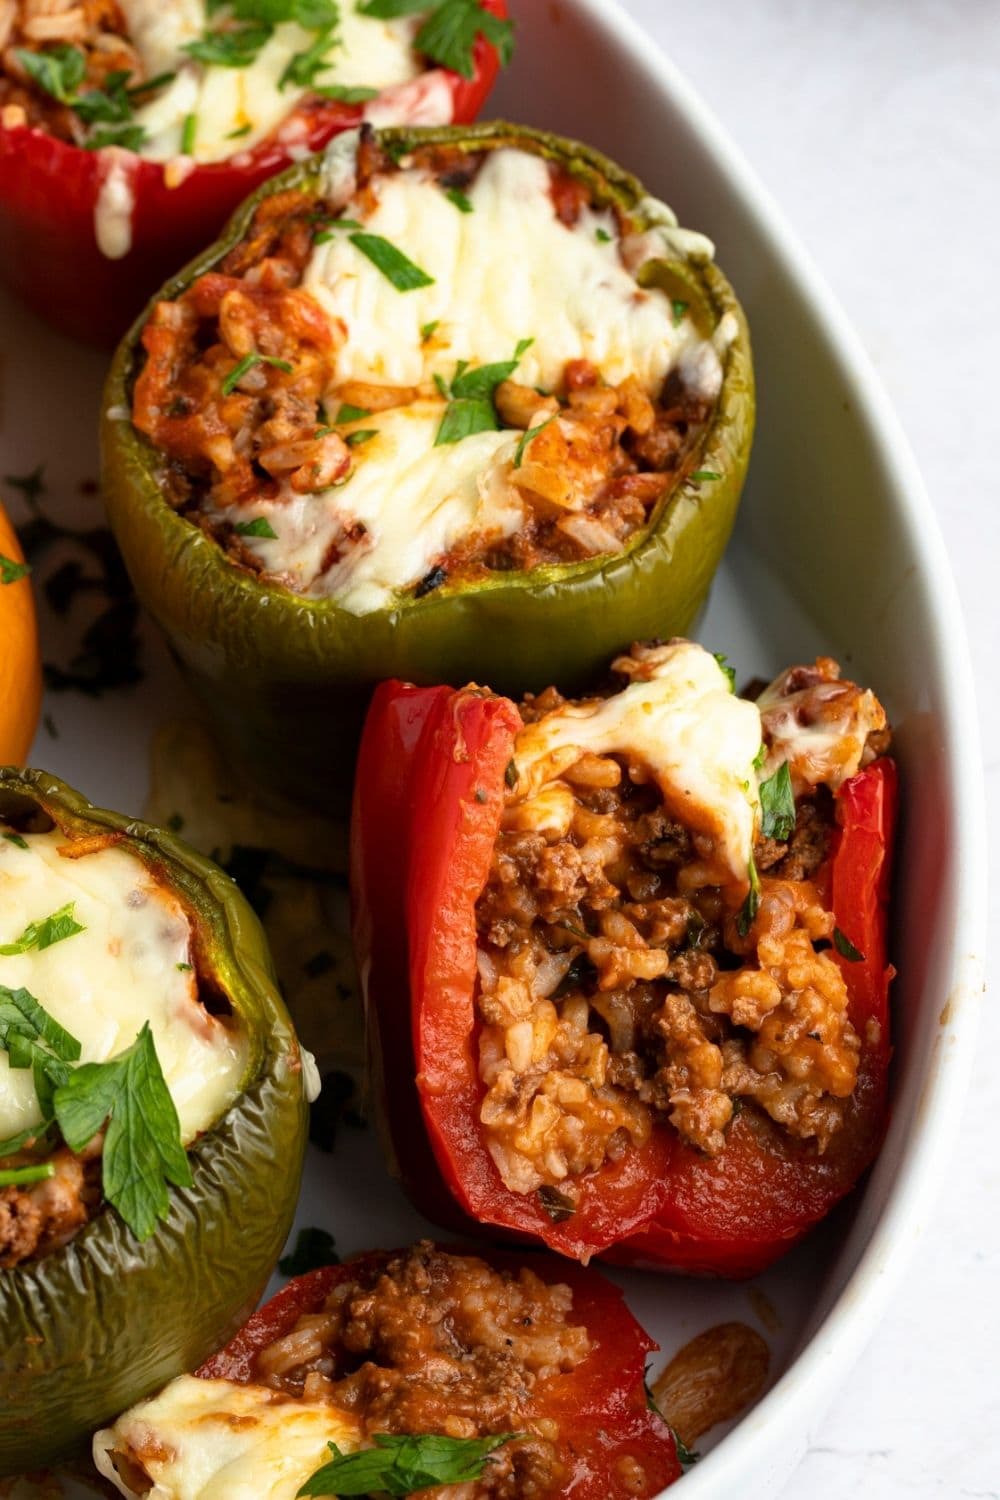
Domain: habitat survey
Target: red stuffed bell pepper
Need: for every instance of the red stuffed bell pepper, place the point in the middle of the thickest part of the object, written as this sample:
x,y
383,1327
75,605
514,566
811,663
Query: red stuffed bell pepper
x,y
130,132
419,1365
633,953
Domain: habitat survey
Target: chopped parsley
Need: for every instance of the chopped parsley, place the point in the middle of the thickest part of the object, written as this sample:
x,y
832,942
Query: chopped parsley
x,y
751,905
248,362
471,406
260,526
428,330
344,94
705,474
678,308
448,36
461,202
241,130
777,805
313,1248
45,933
60,70
11,571
363,435
16,840
846,948
603,236
394,265
142,1151
349,413
236,48
724,666
188,133
529,437
402,1465
17,1176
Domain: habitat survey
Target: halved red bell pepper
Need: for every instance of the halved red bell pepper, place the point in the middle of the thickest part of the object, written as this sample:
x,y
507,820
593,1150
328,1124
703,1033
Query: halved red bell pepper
x,y
49,193
600,1406
428,800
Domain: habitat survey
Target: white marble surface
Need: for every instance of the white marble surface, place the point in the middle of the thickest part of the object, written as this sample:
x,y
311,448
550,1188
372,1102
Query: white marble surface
x,y
876,125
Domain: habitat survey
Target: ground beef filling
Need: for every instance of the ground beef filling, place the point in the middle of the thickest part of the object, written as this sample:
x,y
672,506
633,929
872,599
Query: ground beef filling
x,y
40,1217
588,481
96,28
611,1003
431,1342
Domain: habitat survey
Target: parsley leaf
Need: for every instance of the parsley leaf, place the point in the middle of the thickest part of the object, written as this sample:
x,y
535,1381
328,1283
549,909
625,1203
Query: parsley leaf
x,y
349,413
461,202
230,49
602,236
428,329
58,72
19,1009
355,439
530,436
11,571
15,838
313,1248
394,265
471,409
846,948
706,474
725,667
678,308
751,905
52,929
128,137
464,419
450,33
15,1176
400,1465
777,805
248,361
260,526
685,1456
142,1145
304,66
344,93
481,382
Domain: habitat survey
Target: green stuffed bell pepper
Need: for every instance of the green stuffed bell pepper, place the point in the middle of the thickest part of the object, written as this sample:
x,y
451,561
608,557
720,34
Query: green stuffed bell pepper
x,y
445,405
153,1114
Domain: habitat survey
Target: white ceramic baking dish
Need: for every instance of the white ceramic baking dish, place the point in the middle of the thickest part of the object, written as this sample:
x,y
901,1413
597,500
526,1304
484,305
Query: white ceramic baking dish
x,y
836,550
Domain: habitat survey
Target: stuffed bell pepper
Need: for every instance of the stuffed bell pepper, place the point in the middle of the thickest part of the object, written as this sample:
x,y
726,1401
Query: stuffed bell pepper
x,y
441,405
625,955
425,1370
153,1109
131,129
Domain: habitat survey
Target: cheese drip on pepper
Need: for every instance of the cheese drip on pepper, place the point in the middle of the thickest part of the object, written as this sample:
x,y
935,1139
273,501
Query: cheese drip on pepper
x,y
130,964
216,1440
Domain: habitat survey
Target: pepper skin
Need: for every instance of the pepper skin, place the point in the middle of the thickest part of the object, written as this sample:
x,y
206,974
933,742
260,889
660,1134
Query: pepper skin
x,y
602,1403
49,191
102,1322
428,800
286,679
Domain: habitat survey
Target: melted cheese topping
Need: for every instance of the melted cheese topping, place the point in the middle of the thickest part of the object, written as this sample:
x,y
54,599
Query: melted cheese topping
x,y
214,1440
685,727
224,101
103,983
413,500
508,270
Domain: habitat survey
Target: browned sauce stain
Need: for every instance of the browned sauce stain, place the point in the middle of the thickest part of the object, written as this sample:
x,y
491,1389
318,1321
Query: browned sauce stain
x,y
711,1379
764,1308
